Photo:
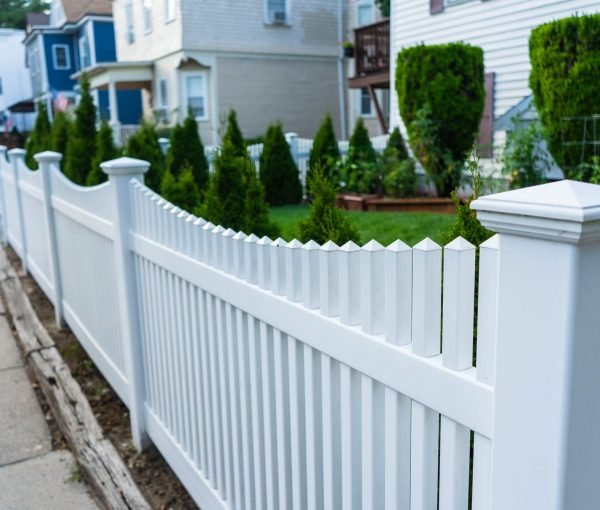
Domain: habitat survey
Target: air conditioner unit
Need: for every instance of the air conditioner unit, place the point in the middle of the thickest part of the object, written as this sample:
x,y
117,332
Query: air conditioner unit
x,y
278,17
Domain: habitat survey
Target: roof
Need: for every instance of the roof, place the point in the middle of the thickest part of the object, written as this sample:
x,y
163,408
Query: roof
x,y
25,106
76,9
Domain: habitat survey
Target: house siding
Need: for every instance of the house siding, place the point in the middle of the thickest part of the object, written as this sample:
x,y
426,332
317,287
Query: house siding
x,y
129,105
60,79
501,28
104,41
296,92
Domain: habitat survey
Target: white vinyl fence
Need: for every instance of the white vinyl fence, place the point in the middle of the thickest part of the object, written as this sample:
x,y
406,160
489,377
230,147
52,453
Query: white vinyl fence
x,y
276,375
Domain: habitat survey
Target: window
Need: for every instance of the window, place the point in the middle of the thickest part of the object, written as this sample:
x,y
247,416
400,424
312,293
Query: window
x,y
454,2
169,10
163,100
147,10
366,108
195,89
60,56
129,33
365,14
276,11
84,52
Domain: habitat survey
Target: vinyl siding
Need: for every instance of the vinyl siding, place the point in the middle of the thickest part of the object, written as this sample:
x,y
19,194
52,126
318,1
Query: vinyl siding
x,y
60,79
104,41
500,27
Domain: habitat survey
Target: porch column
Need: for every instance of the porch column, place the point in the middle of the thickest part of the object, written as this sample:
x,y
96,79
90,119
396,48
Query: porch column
x,y
113,109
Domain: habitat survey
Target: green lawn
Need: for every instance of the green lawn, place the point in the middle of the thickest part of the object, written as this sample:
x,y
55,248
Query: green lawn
x,y
385,227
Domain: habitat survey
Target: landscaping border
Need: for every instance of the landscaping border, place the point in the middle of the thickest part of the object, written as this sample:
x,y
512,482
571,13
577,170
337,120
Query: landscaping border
x,y
377,203
99,460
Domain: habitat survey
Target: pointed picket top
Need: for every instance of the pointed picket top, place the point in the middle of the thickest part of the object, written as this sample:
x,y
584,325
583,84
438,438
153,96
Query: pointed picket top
x,y
209,226
176,210
191,218
167,206
427,245
265,241
330,246
218,230
492,243
373,245
459,244
398,246
251,239
200,222
240,236
183,214
350,246
294,244
311,245
279,242
229,233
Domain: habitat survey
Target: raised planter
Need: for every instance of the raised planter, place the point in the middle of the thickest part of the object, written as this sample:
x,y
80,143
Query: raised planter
x,y
376,203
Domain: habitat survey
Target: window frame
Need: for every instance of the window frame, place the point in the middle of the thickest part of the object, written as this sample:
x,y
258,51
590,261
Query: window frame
x,y
84,44
196,74
129,23
362,114
453,3
365,3
147,11
67,65
170,10
163,99
270,21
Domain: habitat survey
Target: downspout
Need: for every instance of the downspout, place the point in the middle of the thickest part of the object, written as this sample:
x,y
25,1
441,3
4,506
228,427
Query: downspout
x,y
341,80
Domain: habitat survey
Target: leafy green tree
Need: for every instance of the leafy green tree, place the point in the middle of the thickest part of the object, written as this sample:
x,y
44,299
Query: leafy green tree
x,y
233,135
143,144
39,139
278,171
82,144
181,189
565,58
256,210
325,221
12,12
105,151
441,96
61,127
325,151
186,149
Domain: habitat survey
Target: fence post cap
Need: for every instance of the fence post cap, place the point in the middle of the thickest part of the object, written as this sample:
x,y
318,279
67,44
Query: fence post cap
x,y
3,148
48,157
125,166
17,152
565,211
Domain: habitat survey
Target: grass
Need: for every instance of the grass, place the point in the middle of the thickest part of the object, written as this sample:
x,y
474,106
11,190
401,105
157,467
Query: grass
x,y
385,227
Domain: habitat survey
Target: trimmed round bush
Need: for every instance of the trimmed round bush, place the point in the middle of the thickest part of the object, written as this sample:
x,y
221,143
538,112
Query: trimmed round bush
x,y
565,59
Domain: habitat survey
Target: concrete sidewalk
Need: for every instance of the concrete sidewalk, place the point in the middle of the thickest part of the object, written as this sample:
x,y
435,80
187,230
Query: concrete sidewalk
x,y
32,476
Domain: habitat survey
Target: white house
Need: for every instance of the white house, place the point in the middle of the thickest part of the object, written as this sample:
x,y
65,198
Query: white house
x,y
15,86
501,27
270,60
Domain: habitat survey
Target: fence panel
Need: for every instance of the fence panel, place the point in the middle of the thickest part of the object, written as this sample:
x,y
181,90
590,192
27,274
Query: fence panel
x,y
11,208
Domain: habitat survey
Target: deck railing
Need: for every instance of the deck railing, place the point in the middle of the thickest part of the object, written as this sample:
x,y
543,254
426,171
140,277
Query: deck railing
x,y
372,48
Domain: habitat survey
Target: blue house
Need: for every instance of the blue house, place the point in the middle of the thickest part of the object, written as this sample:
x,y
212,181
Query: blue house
x,y
78,35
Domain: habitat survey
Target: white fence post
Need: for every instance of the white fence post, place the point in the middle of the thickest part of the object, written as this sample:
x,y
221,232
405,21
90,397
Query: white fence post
x,y
17,157
546,445
4,233
292,140
120,172
46,160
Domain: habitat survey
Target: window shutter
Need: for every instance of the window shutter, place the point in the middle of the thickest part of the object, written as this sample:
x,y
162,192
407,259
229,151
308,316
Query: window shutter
x,y
485,139
436,6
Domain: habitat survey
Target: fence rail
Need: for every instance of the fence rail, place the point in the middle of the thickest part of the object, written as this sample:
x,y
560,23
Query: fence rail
x,y
287,375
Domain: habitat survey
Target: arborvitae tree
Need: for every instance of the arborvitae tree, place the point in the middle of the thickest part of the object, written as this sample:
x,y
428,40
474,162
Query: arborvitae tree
x,y
396,142
233,135
105,151
39,139
325,151
143,144
181,189
186,149
278,171
225,198
361,149
256,210
82,143
325,221
60,134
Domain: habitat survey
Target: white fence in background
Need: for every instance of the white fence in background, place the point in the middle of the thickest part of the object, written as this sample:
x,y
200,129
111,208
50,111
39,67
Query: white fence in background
x,y
300,149
276,375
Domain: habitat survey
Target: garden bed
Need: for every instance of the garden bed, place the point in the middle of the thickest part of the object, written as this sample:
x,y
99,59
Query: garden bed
x,y
378,203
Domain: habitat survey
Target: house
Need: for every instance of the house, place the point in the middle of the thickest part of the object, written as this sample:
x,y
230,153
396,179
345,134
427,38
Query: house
x,y
270,60
368,66
502,29
77,35
15,87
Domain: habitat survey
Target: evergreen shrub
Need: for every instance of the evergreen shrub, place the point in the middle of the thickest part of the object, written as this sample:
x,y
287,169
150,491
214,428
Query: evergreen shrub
x,y
278,171
181,189
442,86
105,151
143,144
233,135
325,151
61,128
565,59
40,138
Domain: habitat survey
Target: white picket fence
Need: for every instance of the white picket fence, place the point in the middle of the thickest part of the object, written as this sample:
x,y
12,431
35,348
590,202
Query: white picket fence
x,y
276,375
300,149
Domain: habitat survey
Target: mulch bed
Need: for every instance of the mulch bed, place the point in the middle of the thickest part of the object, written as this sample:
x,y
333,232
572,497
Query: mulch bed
x,y
150,471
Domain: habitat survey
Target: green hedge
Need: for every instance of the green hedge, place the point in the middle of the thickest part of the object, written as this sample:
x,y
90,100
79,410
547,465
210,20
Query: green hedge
x,y
441,87
565,59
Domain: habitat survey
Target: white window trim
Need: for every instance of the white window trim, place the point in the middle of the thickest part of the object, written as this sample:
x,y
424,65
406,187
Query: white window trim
x,y
81,45
191,74
67,57
147,22
129,22
268,21
452,3
173,14
362,3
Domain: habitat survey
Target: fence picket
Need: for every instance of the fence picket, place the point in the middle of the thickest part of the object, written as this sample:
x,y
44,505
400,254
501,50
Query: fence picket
x,y
293,270
329,279
207,242
350,283
424,457
310,275
278,283
239,261
250,256
373,288
264,262
228,250
217,247
398,293
297,423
